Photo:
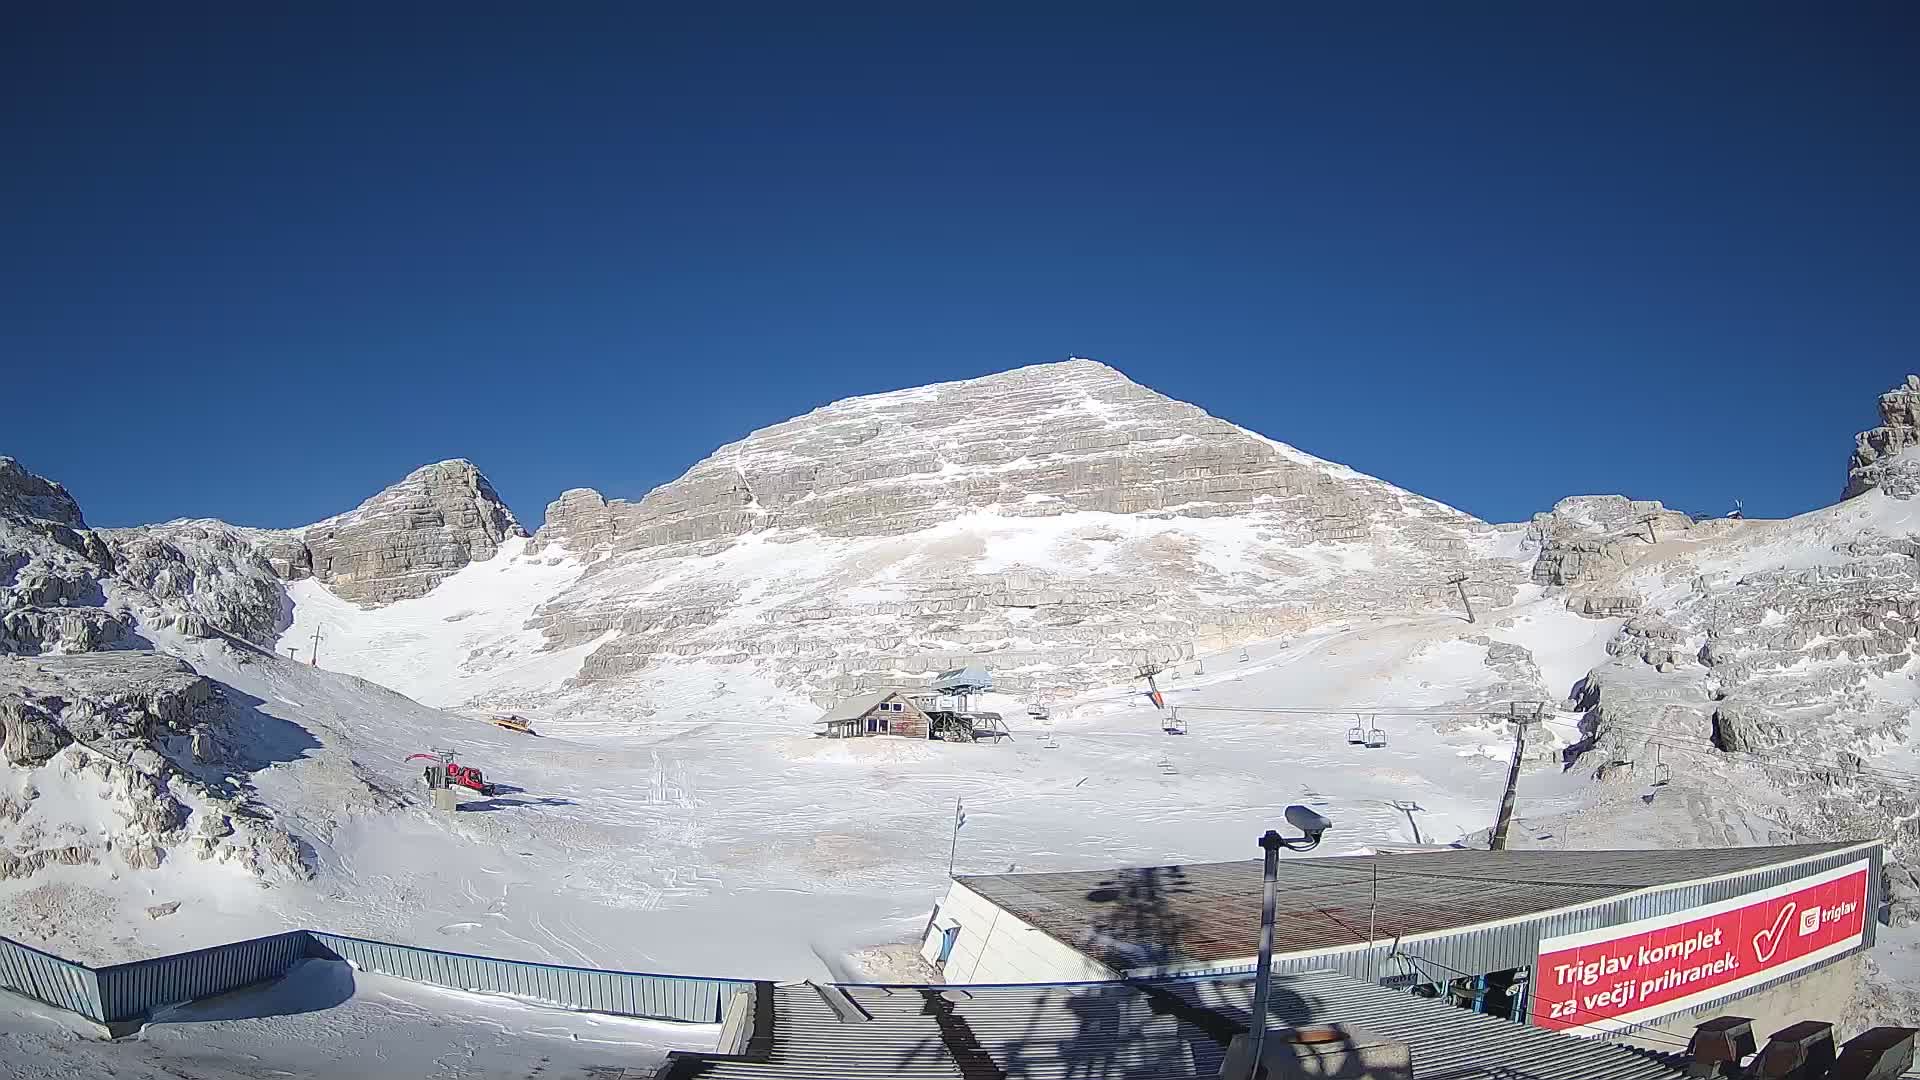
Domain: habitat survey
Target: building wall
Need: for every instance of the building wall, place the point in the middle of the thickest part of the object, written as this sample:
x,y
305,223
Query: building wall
x,y
1821,994
996,947
909,722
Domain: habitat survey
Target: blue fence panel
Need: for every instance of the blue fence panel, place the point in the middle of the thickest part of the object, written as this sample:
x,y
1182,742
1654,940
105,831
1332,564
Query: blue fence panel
x,y
64,984
622,993
136,990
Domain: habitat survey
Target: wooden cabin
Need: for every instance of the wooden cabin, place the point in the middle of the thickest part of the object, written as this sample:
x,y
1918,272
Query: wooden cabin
x,y
883,712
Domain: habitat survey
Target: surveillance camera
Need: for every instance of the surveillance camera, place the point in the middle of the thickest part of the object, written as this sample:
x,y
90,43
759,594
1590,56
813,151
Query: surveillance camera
x,y
1308,822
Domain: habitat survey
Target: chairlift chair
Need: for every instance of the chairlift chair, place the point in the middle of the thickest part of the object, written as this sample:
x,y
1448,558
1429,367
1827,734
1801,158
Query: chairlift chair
x,y
1176,724
1357,735
1376,738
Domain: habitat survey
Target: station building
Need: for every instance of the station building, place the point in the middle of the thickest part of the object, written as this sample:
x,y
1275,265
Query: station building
x,y
1627,945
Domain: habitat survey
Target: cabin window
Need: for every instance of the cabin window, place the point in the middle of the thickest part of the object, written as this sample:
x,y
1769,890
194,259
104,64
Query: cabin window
x,y
873,724
883,725
897,707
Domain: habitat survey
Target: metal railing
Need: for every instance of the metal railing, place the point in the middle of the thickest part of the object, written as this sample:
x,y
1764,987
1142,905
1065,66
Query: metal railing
x,y
685,998
127,994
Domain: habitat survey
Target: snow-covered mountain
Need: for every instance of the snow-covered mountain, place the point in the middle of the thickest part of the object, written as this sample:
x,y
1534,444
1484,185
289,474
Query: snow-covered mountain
x,y
1060,519
1707,682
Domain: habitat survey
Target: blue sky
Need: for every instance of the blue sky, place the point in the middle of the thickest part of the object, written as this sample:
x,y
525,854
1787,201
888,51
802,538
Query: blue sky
x,y
259,265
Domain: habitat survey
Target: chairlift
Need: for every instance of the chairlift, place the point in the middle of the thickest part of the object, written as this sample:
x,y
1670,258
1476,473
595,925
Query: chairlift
x,y
1662,772
1376,738
1176,724
1357,735
1244,657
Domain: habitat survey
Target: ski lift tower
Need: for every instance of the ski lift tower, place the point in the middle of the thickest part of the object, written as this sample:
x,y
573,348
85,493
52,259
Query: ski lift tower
x,y
1147,672
1459,581
962,684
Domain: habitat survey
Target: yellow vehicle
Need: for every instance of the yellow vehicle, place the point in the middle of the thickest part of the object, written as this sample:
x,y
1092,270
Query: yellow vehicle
x,y
514,723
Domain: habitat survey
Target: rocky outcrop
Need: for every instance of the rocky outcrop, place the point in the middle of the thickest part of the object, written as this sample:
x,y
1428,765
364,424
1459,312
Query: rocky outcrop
x,y
201,578
403,541
1879,454
396,545
1769,667
84,701
31,734
24,495
51,568
1593,536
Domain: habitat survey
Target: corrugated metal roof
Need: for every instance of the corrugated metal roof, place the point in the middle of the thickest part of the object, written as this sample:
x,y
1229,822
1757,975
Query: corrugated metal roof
x,y
1141,1030
1166,916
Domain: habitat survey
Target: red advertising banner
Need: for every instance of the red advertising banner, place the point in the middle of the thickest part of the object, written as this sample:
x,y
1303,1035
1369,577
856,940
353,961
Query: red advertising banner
x,y
1617,976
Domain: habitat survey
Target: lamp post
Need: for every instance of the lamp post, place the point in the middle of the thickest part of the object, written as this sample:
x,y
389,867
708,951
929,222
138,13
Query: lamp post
x,y
1311,826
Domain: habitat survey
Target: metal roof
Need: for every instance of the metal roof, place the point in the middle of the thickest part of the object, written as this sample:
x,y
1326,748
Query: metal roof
x,y
1141,1030
1144,918
855,707
970,678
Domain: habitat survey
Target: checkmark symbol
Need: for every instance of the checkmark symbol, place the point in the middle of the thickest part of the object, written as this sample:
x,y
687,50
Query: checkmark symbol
x,y
1767,942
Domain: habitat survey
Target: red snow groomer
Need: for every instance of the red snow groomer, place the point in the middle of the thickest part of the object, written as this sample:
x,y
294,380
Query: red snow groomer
x,y
446,772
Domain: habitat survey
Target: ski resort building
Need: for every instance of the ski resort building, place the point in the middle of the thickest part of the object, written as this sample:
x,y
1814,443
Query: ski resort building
x,y
885,712
942,714
1610,943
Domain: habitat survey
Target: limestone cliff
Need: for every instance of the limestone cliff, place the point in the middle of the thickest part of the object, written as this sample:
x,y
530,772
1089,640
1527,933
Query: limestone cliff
x,y
1878,459
1761,689
403,541
1059,521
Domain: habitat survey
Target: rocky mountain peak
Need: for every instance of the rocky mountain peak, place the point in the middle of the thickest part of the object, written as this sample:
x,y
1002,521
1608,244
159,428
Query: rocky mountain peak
x,y
1035,441
1059,517
36,497
1878,459
403,541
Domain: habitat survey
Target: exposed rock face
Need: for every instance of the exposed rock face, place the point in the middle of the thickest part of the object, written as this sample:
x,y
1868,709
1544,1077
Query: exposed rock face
x,y
1036,442
114,724
1059,521
51,565
1768,667
31,734
1590,535
1878,458
202,578
22,494
403,541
